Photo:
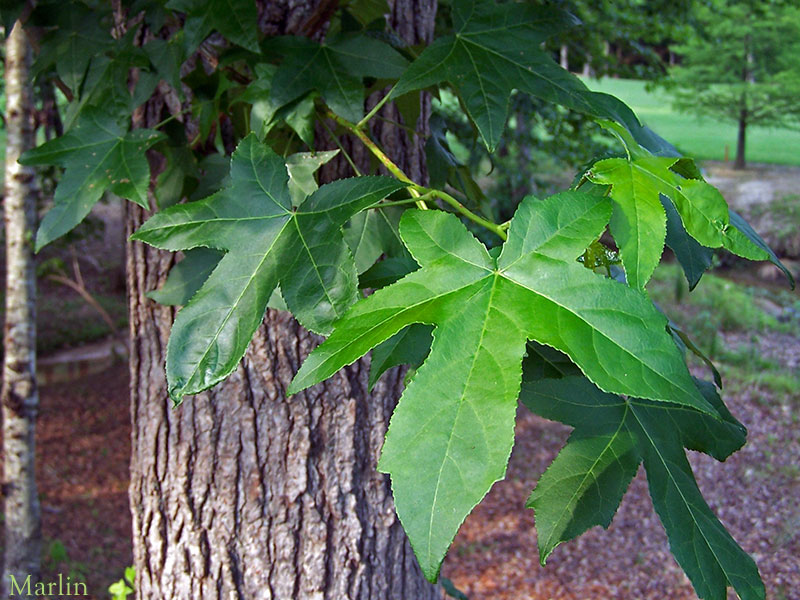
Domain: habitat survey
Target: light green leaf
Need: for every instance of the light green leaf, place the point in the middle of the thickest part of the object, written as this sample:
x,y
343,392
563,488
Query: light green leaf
x,y
98,154
452,431
639,221
266,243
301,167
334,69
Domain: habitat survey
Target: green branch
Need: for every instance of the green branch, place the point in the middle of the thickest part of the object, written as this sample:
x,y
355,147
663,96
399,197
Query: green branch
x,y
415,189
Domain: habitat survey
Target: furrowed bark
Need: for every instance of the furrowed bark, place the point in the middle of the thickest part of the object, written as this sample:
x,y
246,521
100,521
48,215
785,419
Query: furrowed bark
x,y
20,398
241,493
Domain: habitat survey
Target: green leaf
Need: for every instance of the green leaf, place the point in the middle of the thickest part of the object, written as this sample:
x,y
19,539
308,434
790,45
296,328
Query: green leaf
x,y
694,258
267,243
79,37
334,69
744,227
187,277
639,220
98,154
710,556
371,234
167,57
495,49
386,272
585,483
452,431
409,347
237,20
638,223
302,167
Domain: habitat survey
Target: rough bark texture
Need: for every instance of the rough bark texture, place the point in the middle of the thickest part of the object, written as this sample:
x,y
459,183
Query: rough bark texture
x,y
20,397
242,493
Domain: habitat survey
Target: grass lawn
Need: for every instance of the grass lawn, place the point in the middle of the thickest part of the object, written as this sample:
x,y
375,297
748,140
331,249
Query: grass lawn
x,y
703,138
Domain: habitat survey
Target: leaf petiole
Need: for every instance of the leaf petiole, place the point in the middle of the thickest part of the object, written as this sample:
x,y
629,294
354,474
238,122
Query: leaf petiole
x,y
375,109
415,189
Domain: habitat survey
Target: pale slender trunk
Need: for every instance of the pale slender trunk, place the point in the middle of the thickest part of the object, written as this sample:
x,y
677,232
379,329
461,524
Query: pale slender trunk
x,y
241,493
20,397
741,141
564,57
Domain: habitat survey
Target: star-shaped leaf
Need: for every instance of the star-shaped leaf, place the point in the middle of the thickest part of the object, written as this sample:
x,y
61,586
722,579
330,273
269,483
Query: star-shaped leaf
x,y
639,221
267,243
495,49
586,481
237,20
334,69
452,432
98,154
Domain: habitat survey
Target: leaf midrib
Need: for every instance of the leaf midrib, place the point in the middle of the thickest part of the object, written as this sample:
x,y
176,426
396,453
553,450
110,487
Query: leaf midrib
x,y
267,253
462,399
686,503
604,334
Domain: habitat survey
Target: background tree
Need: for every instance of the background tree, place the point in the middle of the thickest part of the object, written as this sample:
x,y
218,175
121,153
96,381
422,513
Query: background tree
x,y
741,65
20,398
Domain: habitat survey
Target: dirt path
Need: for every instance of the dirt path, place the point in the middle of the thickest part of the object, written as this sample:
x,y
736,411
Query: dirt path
x,y
83,452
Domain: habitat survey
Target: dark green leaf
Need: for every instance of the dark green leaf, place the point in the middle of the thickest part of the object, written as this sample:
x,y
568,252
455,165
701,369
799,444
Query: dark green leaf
x,y
237,20
98,154
334,69
187,277
386,272
694,258
267,243
408,347
739,223
585,484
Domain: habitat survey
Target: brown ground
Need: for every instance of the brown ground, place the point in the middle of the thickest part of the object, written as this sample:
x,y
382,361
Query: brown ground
x,y
83,437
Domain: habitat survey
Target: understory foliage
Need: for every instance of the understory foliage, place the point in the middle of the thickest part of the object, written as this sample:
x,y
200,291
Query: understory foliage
x,y
549,308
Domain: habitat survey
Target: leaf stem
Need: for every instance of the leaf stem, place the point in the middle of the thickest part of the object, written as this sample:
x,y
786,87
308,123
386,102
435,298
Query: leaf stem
x,y
400,202
375,109
415,189
460,208
345,153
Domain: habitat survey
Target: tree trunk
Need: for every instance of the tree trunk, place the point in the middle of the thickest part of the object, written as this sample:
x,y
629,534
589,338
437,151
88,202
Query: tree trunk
x,y
564,57
20,397
741,139
242,493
